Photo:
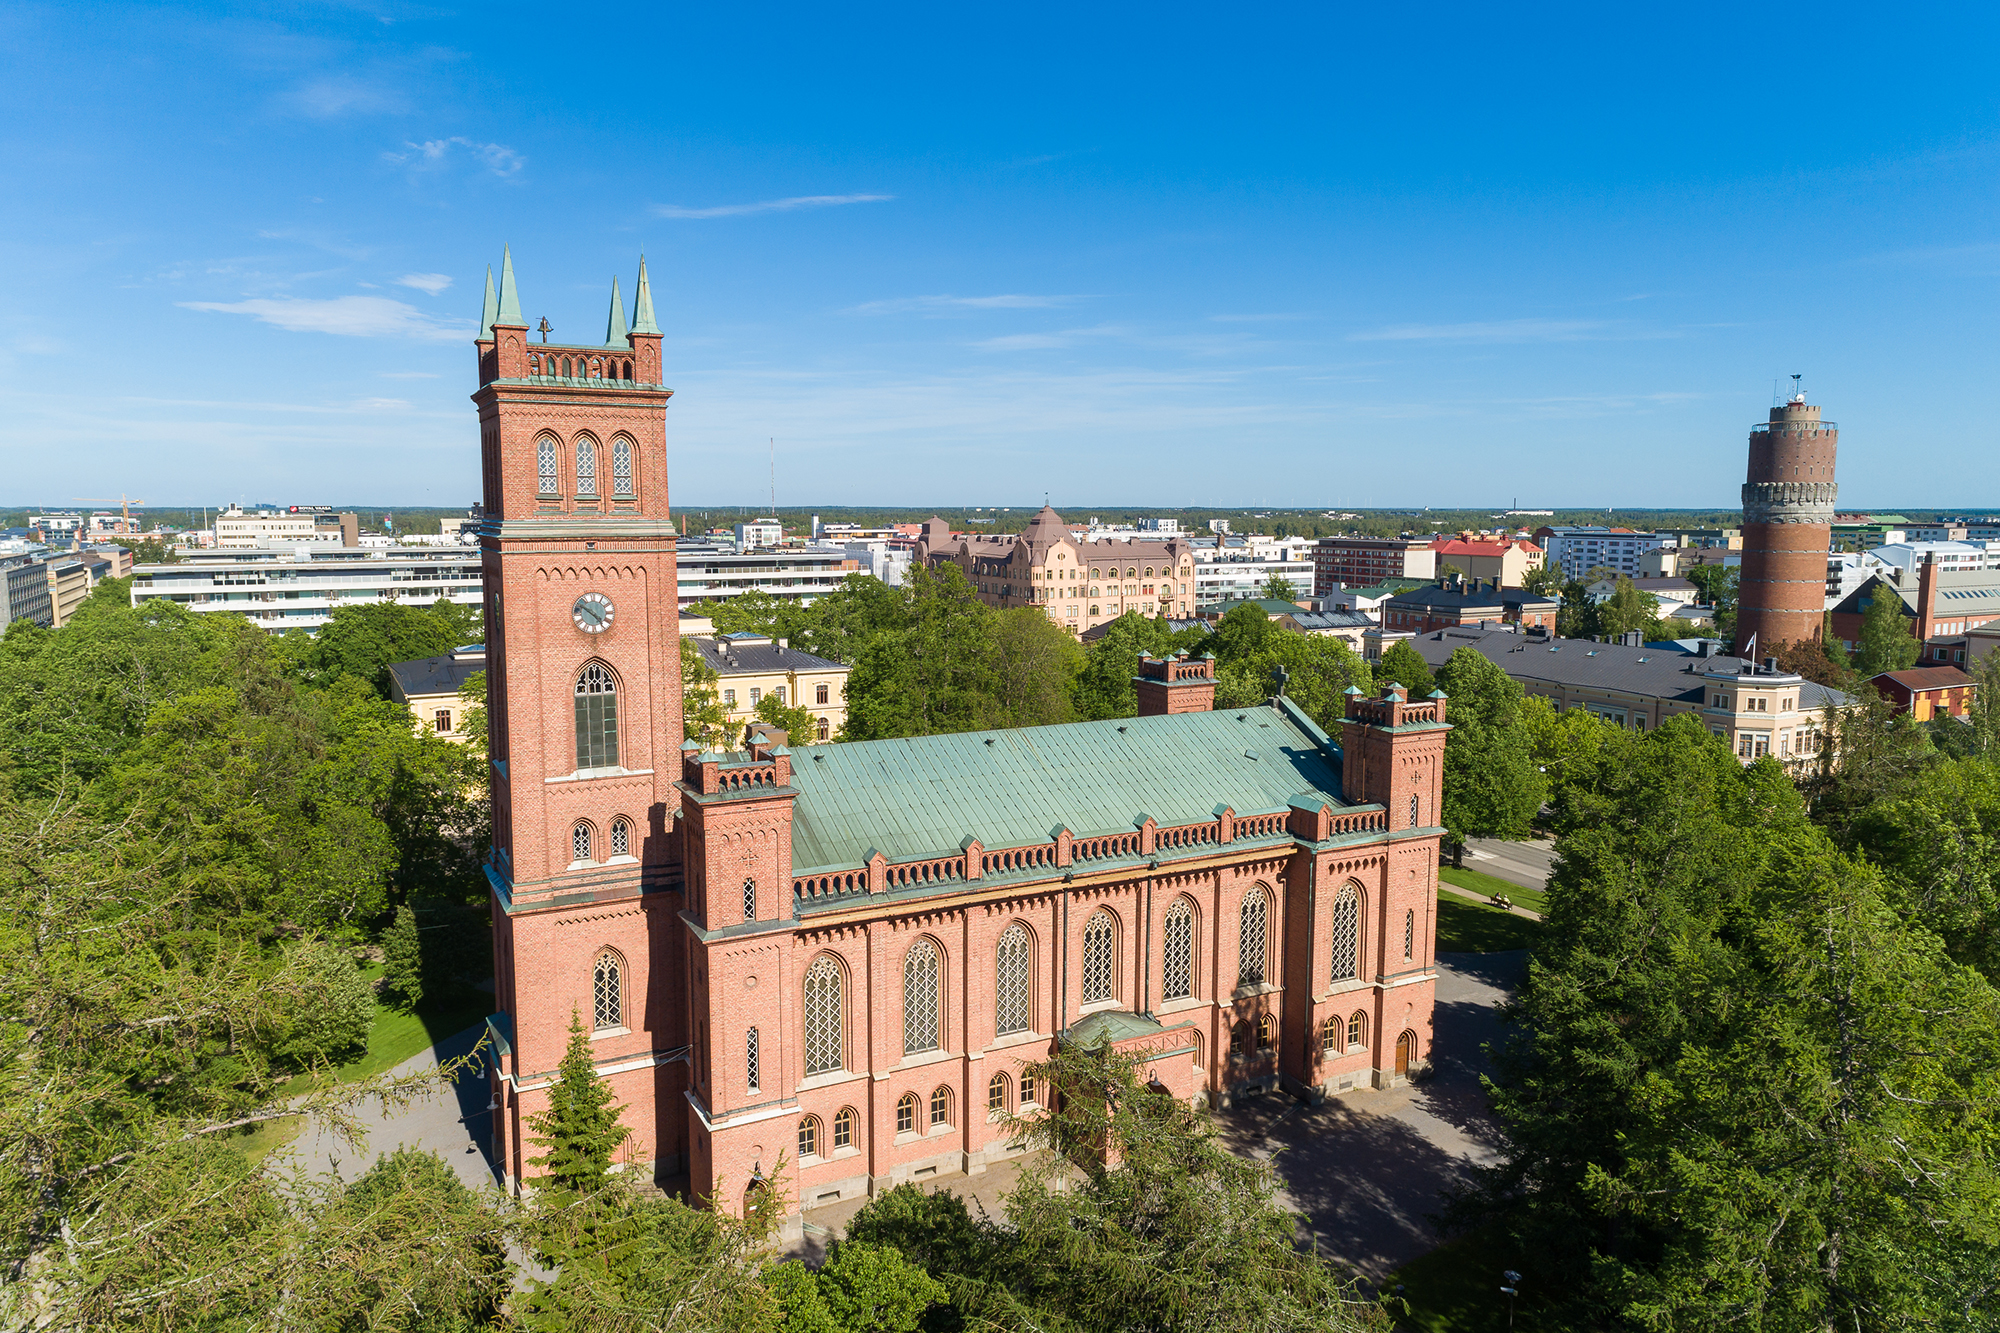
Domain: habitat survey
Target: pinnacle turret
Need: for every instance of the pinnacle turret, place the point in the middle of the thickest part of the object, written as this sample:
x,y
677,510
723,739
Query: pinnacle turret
x,y
614,328
510,299
488,309
642,304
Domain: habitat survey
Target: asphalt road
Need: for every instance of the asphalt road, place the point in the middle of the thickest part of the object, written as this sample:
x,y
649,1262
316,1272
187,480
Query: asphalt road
x,y
1523,863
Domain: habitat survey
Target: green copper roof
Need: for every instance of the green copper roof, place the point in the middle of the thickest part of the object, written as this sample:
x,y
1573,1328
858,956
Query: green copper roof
x,y
1108,1027
510,299
642,303
614,327
923,796
488,308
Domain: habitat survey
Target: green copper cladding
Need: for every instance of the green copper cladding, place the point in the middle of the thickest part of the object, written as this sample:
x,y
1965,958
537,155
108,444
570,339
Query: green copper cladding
x,y
510,299
488,308
642,304
614,328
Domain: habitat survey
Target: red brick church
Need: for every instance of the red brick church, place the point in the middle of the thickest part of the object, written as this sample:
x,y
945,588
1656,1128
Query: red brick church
x,y
845,955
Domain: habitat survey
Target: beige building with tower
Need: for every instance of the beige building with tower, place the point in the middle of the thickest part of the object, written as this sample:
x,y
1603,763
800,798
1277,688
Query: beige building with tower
x,y
1080,584
750,666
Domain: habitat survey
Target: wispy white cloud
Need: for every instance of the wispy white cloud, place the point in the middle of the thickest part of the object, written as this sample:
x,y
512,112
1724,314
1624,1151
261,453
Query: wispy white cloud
x,y
1493,331
770,205
1030,342
941,305
433,154
381,404
409,375
344,94
349,316
428,283
1256,319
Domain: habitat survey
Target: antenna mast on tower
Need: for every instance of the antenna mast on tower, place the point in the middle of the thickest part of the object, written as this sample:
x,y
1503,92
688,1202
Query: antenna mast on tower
x,y
774,476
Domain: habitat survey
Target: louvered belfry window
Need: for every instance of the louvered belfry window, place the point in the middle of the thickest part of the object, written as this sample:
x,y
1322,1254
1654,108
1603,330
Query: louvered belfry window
x,y
1346,934
596,718
1010,1000
823,1017
1177,958
1100,947
1253,921
920,998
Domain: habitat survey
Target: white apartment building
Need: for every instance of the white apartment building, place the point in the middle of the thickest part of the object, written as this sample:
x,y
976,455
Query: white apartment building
x,y
1577,550
1846,571
714,572
1231,574
238,529
299,588
760,532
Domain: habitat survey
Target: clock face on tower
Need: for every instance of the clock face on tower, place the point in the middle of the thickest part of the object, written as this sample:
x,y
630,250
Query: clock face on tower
x,y
592,613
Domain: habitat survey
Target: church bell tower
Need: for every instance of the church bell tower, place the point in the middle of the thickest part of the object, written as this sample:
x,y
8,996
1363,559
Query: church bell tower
x,y
584,718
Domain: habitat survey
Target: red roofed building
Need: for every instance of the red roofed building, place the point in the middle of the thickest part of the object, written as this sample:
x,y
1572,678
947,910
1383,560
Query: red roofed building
x,y
1926,692
1507,561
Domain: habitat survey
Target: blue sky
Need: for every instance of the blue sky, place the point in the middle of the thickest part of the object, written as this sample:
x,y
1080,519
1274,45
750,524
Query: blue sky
x,y
1327,255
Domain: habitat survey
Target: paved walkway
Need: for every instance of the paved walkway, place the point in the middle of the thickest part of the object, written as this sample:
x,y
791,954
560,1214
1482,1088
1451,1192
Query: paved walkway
x,y
1476,896
452,1122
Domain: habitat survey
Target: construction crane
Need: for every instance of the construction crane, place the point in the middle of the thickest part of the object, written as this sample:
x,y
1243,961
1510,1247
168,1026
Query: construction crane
x,y
125,504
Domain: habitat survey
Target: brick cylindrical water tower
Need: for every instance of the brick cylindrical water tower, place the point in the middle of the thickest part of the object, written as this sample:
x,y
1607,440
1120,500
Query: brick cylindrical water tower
x,y
1788,500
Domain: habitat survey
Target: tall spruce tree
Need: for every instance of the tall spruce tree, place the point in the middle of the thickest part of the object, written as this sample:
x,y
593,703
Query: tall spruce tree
x,y
580,1129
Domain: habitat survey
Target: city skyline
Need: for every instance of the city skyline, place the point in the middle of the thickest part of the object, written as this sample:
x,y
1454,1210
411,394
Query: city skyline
x,y
1554,257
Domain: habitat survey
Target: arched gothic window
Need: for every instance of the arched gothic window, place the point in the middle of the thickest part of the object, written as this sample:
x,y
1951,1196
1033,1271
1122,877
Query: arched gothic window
x,y
1177,958
548,482
1346,934
753,1061
906,1113
920,998
607,992
586,468
1330,1034
621,837
809,1136
579,843
1253,925
823,1016
621,467
1010,982
1357,1029
843,1129
1100,957
1267,1032
596,718
940,1105
1239,1039
996,1093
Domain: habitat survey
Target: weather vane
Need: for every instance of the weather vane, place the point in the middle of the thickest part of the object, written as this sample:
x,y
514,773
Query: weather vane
x,y
544,330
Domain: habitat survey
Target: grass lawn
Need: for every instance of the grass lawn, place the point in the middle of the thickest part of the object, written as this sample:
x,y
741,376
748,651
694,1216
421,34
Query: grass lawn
x,y
1469,927
1456,1288
1533,899
394,1037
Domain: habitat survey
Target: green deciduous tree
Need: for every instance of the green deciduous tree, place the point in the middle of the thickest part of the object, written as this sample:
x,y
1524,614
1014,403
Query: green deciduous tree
x,y
1035,663
580,1128
1492,784
703,717
1627,609
931,677
1404,665
1279,588
363,640
1886,642
1104,687
796,723
862,1287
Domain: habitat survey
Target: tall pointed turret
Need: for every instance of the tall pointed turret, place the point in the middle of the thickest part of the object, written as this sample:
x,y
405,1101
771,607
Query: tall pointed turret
x,y
488,308
642,304
614,328
510,299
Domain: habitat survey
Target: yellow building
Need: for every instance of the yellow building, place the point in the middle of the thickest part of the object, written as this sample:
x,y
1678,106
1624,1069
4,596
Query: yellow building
x,y
1081,585
750,666
430,687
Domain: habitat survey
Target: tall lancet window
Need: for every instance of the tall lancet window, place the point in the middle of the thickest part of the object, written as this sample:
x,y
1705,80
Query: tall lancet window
x,y
920,998
823,1016
607,986
621,467
1010,1000
1100,958
586,468
1177,959
547,480
596,718
1346,934
1253,923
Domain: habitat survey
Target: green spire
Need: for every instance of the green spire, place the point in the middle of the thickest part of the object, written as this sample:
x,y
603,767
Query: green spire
x,y
488,308
614,328
642,304
510,299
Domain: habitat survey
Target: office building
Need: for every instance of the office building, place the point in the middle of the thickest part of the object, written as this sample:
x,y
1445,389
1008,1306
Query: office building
x,y
299,588
1357,562
1578,549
